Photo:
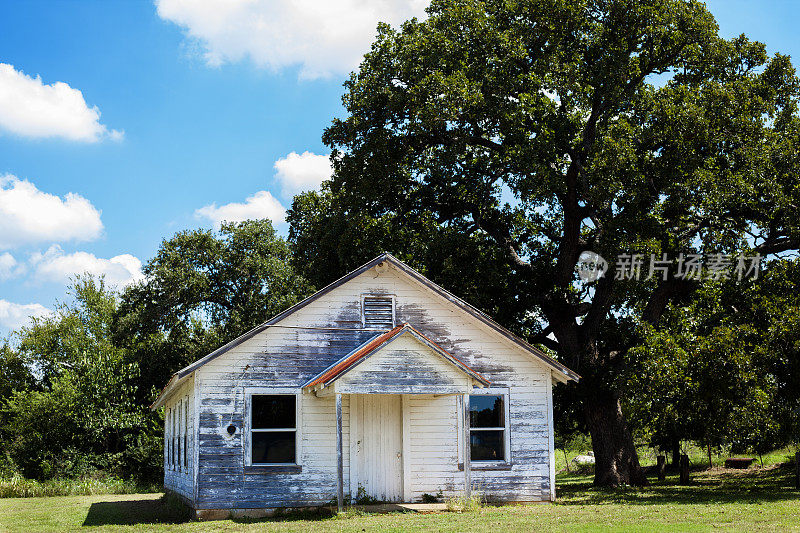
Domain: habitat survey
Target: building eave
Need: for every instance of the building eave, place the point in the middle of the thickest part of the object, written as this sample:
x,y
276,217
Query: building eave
x,y
561,372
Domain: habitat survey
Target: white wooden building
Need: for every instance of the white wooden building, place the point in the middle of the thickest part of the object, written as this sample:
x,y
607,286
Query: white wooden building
x,y
381,385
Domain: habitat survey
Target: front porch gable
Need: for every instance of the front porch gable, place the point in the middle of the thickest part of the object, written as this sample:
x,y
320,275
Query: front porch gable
x,y
400,361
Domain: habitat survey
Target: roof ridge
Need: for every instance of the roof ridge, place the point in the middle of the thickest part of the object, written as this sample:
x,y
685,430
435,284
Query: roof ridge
x,y
406,269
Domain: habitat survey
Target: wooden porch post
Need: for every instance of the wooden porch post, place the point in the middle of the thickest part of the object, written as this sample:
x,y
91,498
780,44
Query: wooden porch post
x,y
467,446
339,455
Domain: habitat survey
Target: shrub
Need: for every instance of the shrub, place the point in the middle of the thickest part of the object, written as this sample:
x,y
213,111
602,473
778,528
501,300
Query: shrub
x,y
466,503
19,487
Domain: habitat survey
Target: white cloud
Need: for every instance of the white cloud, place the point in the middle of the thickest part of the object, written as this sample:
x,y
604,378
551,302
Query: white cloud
x,y
56,266
324,37
30,108
302,172
28,215
13,316
261,205
9,267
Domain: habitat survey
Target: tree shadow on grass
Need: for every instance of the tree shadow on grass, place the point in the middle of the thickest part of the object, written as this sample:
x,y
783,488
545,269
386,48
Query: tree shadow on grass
x,y
164,510
771,484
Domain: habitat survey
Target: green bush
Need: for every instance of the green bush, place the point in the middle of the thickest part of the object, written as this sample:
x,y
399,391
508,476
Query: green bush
x,y
19,487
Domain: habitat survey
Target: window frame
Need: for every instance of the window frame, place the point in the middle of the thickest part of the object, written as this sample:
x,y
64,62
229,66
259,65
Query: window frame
x,y
167,437
174,434
170,422
366,295
179,454
248,419
506,429
186,435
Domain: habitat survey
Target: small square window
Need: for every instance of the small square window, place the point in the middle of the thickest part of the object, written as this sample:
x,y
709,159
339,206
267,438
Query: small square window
x,y
486,412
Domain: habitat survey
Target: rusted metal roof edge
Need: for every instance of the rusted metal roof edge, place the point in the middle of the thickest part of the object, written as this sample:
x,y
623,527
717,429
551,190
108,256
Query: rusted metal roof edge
x,y
346,362
352,359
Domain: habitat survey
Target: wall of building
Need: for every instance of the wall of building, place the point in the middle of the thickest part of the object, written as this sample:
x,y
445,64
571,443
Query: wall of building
x,y
286,357
179,478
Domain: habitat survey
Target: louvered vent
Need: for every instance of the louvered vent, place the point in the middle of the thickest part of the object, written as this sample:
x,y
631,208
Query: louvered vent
x,y
378,312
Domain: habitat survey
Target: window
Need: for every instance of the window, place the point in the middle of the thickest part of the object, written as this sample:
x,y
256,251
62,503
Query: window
x,y
186,434
487,427
169,442
167,437
273,429
175,430
172,437
378,312
174,433
179,433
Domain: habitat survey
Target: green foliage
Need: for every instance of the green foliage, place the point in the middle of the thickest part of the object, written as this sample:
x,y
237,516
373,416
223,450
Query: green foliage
x,y
328,241
17,375
80,413
531,131
724,369
464,503
18,487
432,498
76,386
202,290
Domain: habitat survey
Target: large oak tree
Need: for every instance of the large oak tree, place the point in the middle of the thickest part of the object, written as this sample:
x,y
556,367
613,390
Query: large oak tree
x,y
529,131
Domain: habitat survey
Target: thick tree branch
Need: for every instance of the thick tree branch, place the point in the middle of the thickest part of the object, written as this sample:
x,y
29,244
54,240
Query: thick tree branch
x,y
666,291
776,245
600,303
500,233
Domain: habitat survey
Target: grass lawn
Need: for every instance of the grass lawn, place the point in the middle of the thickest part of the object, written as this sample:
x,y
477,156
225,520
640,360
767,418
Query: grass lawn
x,y
753,500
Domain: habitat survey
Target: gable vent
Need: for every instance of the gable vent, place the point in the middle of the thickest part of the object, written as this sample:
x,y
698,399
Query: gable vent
x,y
378,312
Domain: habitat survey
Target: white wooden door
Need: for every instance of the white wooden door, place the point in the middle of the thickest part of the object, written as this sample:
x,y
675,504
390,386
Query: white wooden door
x,y
377,421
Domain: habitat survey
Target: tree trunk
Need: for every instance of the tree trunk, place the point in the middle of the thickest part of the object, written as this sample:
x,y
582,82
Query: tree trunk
x,y
684,469
616,460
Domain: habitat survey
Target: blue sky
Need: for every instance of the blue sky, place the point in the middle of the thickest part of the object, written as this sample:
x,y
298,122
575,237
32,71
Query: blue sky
x,y
197,102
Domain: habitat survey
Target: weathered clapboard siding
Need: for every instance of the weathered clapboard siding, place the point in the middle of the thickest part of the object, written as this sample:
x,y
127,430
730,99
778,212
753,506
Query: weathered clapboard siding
x,y
406,366
180,478
433,451
284,358
225,480
483,349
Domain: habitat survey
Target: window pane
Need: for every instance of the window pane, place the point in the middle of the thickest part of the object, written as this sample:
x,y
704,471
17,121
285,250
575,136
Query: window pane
x,y
272,411
486,412
487,446
273,447
186,433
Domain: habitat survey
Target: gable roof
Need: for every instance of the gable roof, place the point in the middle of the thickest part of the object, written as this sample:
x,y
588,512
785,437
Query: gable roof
x,y
348,362
563,372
